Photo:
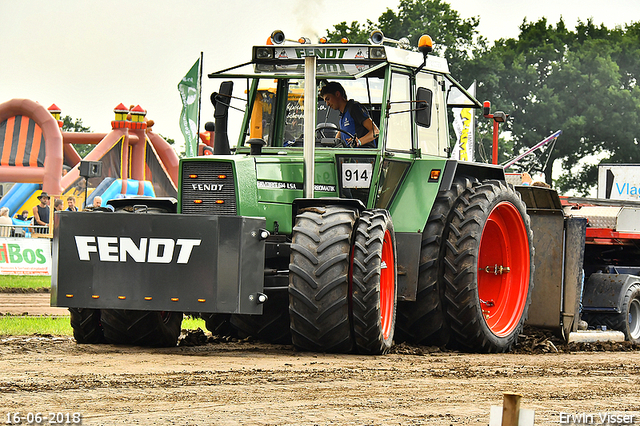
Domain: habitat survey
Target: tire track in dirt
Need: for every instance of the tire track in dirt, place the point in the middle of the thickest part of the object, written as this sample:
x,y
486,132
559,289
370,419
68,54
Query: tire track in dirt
x,y
253,383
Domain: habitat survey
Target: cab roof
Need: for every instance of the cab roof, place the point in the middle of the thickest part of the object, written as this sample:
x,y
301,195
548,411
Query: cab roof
x,y
343,61
350,60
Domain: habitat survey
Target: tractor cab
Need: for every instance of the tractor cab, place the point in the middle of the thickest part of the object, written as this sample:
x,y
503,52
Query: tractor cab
x,y
405,92
399,87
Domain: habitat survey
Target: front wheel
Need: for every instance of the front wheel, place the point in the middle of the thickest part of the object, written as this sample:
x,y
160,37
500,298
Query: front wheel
x,y
141,328
219,324
86,325
489,268
319,279
374,285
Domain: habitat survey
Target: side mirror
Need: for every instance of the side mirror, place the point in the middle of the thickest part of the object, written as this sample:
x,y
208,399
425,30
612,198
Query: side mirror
x,y
424,98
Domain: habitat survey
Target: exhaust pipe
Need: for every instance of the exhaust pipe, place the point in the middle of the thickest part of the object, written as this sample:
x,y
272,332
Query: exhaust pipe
x,y
220,103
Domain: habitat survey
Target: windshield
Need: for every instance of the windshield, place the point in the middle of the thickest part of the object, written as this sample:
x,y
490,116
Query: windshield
x,y
277,112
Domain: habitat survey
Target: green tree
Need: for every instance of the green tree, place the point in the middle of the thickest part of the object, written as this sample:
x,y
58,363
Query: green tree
x,y
582,82
354,32
453,37
71,125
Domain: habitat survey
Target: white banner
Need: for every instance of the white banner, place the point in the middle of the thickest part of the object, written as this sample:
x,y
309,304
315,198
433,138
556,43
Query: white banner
x,y
619,181
25,256
464,126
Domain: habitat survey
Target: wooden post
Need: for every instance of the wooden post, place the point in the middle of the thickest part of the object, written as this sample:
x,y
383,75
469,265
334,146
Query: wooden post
x,y
510,409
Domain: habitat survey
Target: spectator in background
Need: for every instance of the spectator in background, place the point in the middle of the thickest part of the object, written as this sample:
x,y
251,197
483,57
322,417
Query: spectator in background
x,y
5,222
541,183
22,232
41,212
95,204
71,202
57,205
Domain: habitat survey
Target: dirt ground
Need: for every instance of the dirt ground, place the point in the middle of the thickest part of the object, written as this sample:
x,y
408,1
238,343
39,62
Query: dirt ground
x,y
252,383
34,304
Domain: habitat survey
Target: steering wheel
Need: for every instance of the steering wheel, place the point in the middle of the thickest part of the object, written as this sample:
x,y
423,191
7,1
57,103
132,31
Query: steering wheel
x,y
339,141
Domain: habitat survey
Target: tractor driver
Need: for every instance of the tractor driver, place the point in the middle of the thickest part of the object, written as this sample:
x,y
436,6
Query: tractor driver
x,y
354,118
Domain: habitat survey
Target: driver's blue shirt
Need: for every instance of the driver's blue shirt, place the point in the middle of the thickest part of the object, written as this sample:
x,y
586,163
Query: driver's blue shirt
x,y
352,120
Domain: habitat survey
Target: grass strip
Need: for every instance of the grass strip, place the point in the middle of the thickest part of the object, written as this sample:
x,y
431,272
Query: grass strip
x,y
24,284
18,325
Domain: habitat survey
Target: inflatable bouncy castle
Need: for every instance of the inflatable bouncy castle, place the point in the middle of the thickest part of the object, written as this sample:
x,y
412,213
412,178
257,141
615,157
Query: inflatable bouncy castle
x,y
39,157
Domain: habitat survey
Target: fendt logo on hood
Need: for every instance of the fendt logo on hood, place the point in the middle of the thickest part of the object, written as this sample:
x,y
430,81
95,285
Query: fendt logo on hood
x,y
207,186
149,250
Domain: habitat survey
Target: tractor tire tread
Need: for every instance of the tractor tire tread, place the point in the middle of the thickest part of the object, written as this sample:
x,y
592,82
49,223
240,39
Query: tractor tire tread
x,y
319,279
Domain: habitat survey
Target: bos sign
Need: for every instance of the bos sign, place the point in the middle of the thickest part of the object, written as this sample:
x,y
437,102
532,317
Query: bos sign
x,y
25,256
619,181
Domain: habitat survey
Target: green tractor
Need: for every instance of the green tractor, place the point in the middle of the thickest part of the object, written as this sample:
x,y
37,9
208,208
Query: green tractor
x,y
296,236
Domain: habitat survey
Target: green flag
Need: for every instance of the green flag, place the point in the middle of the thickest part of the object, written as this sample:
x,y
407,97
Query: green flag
x,y
189,89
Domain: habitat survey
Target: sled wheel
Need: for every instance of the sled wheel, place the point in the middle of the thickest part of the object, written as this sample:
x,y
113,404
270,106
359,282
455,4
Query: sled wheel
x,y
141,328
374,286
319,279
633,317
424,321
489,268
272,326
86,325
627,321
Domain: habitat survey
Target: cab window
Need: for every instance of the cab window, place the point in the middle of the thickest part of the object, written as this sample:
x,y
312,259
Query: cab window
x,y
428,138
398,135
270,104
277,112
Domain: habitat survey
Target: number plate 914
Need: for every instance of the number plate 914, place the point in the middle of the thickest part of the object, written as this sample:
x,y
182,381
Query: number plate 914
x,y
356,175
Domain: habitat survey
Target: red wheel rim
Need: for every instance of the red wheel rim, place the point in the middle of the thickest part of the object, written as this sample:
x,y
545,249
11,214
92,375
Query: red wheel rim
x,y
387,285
503,292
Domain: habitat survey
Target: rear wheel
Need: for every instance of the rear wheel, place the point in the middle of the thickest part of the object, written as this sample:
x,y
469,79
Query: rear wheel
x,y
86,325
319,279
424,321
374,284
219,324
141,328
489,268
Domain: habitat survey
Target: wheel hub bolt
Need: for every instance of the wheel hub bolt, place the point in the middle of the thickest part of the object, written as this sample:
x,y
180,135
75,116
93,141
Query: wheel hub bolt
x,y
496,269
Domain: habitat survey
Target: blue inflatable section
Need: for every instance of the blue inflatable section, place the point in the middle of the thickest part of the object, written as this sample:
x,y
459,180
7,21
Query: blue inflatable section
x,y
100,189
108,189
111,188
17,196
25,223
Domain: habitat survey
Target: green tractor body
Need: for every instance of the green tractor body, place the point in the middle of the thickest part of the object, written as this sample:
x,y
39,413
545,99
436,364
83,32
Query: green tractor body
x,y
295,237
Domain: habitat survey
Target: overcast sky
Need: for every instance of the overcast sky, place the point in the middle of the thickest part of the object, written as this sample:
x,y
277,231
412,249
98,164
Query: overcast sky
x,y
89,56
